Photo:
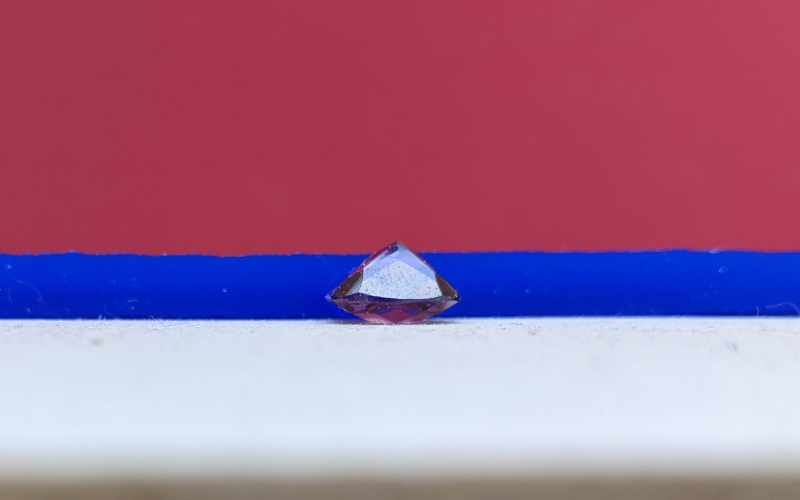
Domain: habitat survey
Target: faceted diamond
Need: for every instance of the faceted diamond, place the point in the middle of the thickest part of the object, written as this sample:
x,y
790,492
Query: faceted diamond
x,y
394,286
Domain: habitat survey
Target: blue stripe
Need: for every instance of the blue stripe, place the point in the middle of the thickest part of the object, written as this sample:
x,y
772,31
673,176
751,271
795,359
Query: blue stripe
x,y
492,284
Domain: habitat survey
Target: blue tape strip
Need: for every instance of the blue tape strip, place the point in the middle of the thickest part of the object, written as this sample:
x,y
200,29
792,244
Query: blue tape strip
x,y
676,282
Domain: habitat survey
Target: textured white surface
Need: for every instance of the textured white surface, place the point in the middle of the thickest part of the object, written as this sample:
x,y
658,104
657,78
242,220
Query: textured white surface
x,y
313,398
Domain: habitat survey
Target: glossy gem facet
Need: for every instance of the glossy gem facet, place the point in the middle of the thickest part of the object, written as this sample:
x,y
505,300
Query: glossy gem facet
x,y
394,286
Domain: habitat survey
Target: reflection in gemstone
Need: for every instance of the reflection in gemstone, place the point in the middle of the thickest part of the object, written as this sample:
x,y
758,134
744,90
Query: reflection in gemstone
x,y
394,286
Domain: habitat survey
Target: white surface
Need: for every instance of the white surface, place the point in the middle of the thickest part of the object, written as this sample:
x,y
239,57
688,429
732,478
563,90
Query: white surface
x,y
493,397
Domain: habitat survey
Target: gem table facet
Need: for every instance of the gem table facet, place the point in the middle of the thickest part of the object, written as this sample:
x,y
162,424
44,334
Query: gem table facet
x,y
394,286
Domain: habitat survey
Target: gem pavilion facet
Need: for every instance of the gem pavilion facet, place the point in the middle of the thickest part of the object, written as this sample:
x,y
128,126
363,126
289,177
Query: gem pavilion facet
x,y
394,286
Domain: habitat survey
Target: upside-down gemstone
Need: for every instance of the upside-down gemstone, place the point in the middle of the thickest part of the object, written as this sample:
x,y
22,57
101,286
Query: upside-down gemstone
x,y
394,286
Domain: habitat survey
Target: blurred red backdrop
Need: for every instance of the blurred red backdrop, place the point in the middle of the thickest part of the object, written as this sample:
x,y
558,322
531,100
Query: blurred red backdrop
x,y
258,127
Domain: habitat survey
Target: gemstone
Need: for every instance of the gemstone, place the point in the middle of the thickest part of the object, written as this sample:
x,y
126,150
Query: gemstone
x,y
394,286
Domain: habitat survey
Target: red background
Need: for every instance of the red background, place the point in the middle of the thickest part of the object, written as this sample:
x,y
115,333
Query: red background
x,y
304,126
